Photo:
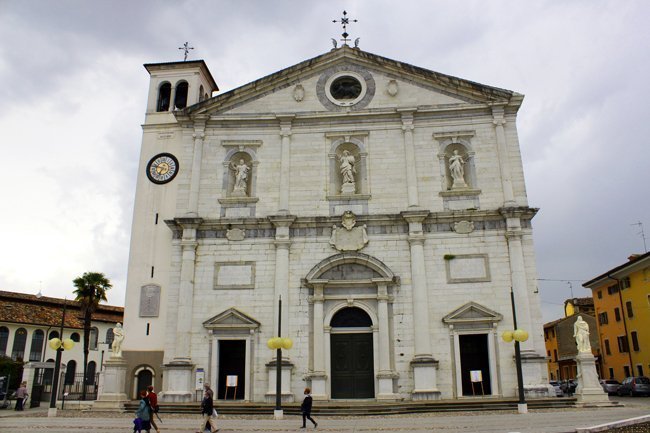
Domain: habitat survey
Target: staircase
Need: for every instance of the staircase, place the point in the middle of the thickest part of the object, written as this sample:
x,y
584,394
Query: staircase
x,y
364,408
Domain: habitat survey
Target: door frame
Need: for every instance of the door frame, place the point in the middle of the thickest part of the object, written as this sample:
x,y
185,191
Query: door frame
x,y
213,377
492,361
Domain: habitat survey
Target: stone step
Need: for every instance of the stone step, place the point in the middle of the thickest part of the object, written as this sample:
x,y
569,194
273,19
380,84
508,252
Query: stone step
x,y
363,408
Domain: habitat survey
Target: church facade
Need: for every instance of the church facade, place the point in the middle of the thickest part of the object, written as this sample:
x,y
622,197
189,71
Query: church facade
x,y
382,203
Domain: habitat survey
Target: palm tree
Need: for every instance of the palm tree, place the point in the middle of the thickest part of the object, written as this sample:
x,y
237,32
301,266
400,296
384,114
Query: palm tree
x,y
90,289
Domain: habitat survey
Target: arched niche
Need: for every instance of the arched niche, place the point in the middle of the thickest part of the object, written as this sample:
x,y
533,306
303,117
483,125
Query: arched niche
x,y
356,149
461,147
232,164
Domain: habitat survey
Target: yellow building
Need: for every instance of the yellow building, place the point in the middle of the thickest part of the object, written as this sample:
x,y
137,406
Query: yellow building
x,y
622,302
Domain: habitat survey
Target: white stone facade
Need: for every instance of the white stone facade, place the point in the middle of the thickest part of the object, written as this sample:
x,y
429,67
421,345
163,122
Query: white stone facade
x,y
437,267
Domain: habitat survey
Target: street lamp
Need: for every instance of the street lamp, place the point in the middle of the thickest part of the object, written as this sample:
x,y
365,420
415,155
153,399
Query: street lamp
x,y
519,335
58,344
278,343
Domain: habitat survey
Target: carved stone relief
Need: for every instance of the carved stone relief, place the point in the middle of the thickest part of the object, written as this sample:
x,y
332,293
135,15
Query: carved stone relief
x,y
299,93
236,234
392,88
464,227
349,237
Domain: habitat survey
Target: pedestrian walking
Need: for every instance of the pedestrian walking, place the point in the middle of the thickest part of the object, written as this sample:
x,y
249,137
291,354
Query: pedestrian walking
x,y
305,408
153,404
21,396
209,414
142,419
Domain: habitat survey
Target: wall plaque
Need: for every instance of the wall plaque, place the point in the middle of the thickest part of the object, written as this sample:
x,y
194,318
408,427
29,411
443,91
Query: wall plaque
x,y
149,300
468,268
234,275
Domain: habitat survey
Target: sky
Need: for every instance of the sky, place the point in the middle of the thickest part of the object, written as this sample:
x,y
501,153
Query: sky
x,y
74,91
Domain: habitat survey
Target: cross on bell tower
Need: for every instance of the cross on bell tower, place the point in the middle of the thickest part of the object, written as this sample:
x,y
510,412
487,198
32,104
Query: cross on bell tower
x,y
344,22
186,48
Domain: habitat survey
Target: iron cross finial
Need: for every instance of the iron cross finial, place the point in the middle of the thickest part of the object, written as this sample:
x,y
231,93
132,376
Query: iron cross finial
x,y
186,47
344,22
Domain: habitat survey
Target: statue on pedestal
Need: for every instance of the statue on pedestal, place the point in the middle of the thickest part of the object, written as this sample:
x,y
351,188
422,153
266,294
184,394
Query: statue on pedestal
x,y
241,175
457,170
118,338
581,334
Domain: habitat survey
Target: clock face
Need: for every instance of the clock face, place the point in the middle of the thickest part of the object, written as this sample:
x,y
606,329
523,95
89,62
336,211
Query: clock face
x,y
162,168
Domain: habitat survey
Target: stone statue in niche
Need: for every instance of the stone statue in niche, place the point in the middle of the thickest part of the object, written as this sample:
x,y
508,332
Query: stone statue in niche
x,y
581,334
349,237
457,171
241,177
348,170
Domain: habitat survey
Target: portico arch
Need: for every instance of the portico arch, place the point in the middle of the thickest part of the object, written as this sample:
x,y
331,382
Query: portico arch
x,y
347,280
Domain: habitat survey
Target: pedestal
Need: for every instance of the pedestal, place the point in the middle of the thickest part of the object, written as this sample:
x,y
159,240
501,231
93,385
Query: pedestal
x,y
589,391
318,385
348,189
286,394
179,385
111,394
385,388
425,384
535,372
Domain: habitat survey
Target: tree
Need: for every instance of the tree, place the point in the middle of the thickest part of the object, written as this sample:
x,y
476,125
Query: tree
x,y
90,289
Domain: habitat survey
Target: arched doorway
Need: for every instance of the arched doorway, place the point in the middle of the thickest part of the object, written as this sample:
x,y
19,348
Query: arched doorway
x,y
352,366
143,379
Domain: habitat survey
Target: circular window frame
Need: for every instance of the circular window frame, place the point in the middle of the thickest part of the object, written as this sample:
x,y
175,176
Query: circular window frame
x,y
345,103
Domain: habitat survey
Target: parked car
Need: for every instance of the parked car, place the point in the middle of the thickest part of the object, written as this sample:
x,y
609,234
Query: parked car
x,y
610,386
569,386
634,385
556,386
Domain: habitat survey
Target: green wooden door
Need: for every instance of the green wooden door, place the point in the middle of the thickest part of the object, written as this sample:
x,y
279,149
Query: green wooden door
x,y
352,366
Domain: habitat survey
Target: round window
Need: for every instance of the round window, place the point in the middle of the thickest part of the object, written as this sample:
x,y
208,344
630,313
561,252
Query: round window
x,y
345,88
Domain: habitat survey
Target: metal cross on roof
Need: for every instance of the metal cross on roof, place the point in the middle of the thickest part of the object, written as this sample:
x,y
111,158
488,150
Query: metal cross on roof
x,y
187,49
344,22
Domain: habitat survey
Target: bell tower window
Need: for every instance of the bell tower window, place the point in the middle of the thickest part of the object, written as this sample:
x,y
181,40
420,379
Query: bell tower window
x,y
180,101
164,93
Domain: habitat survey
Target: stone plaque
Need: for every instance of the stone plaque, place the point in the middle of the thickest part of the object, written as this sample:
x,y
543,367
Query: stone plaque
x,y
468,268
229,275
238,212
235,234
149,300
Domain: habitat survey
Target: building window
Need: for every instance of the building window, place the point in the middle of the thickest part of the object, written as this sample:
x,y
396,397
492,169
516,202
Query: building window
x,y
635,342
625,283
554,355
548,353
602,318
4,338
617,313
70,371
630,312
53,334
36,349
20,340
164,95
109,337
75,337
623,346
607,349
90,373
180,100
92,341
612,289
639,369
611,373
600,294
626,371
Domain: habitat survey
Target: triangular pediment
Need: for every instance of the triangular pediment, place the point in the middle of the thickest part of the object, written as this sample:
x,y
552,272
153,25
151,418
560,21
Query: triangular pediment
x,y
231,319
472,313
275,93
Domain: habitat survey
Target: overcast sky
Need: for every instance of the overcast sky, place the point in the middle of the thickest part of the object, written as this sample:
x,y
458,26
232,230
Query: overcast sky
x,y
73,97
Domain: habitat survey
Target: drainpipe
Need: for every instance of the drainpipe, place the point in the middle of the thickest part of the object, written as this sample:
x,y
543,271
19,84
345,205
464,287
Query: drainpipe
x,y
623,311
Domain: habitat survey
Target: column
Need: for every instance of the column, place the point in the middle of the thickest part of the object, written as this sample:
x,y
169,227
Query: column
x,y
409,153
172,99
285,162
423,364
385,374
504,160
179,372
195,179
318,378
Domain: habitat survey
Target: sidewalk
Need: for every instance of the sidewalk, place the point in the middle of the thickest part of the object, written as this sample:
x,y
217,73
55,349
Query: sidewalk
x,y
541,421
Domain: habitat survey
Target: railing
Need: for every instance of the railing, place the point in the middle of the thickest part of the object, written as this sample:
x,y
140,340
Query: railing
x,y
74,387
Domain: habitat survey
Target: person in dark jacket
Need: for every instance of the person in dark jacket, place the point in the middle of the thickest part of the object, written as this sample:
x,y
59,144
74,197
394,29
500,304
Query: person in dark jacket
x,y
207,409
143,414
305,408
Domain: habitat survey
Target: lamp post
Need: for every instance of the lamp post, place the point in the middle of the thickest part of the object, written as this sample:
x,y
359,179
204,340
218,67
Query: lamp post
x,y
278,343
58,344
517,335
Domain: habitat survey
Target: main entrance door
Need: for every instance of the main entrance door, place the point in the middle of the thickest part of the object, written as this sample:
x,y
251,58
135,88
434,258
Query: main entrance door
x,y
474,356
232,362
352,355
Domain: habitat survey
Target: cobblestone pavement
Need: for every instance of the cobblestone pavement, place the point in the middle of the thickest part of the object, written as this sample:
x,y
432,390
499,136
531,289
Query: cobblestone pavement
x,y
537,421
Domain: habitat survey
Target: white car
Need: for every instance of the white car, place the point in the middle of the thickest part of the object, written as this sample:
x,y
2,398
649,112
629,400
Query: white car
x,y
556,386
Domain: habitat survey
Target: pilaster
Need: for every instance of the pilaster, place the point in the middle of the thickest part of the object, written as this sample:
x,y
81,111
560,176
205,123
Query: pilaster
x,y
285,162
195,176
409,153
502,149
